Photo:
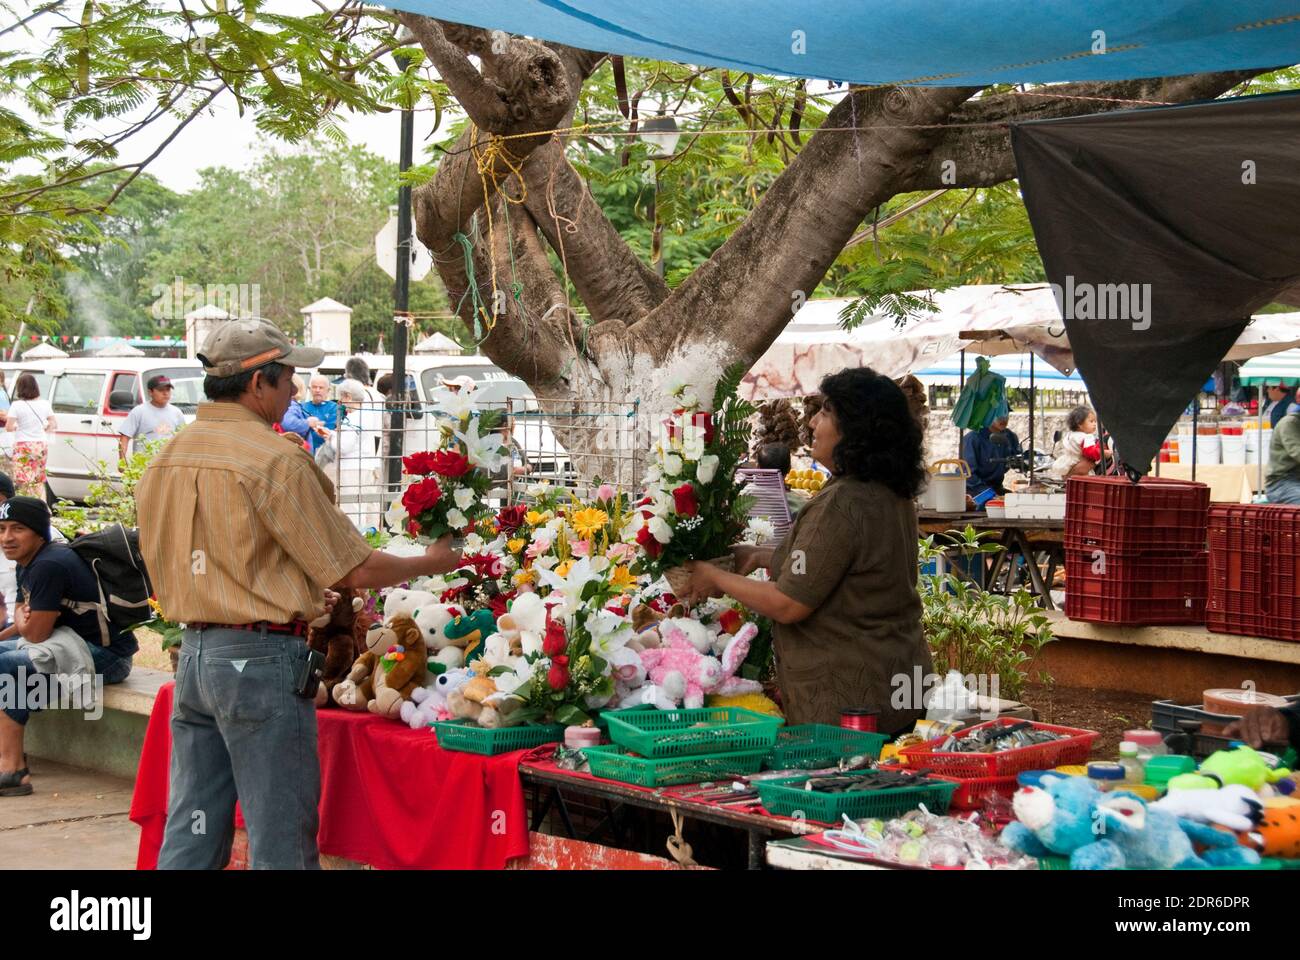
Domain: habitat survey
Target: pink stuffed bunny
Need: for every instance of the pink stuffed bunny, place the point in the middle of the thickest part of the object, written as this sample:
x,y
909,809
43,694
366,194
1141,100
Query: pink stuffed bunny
x,y
679,662
733,655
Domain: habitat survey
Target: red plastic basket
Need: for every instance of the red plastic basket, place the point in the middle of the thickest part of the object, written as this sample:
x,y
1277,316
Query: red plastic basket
x,y
1130,589
1280,598
1237,543
1117,516
1074,748
973,792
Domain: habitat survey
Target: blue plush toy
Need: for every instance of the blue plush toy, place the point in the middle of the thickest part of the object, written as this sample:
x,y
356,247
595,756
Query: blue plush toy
x,y
1109,831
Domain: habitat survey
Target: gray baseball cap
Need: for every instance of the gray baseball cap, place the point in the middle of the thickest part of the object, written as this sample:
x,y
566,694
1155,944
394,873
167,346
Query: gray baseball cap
x,y
238,346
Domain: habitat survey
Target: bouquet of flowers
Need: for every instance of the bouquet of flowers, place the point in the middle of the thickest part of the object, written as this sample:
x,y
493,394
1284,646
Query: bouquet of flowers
x,y
693,508
448,495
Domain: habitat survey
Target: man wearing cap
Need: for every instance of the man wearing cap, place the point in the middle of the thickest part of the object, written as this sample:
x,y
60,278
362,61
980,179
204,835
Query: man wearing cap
x,y
241,537
51,576
155,420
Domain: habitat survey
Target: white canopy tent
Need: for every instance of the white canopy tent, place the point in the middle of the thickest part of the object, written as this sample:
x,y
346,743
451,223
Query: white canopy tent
x,y
120,349
44,351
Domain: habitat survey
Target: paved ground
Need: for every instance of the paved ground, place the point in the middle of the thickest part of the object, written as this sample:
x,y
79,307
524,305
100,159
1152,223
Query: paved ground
x,y
76,819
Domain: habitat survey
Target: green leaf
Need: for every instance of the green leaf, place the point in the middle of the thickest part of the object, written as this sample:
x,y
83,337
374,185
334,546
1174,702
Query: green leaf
x,y
570,715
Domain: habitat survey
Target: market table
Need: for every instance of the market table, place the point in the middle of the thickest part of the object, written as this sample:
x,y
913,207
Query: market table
x,y
805,853
549,779
1025,537
390,796
1228,483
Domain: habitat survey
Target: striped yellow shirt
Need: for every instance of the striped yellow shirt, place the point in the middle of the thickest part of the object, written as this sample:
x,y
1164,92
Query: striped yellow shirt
x,y
238,525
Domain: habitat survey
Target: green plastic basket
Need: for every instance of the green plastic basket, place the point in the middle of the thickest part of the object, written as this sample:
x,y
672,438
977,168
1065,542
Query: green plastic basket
x,y
615,763
680,733
786,797
468,737
809,746
602,716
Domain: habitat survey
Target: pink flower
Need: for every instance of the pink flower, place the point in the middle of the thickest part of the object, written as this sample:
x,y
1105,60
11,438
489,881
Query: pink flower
x,y
538,547
581,548
621,553
605,492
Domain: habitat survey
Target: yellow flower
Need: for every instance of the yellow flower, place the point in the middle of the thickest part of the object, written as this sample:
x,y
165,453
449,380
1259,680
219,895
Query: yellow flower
x,y
524,576
156,607
515,545
536,519
588,522
563,569
622,578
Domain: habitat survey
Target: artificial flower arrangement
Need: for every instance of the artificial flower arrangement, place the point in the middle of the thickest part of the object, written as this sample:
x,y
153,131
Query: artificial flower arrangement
x,y
693,508
452,481
568,670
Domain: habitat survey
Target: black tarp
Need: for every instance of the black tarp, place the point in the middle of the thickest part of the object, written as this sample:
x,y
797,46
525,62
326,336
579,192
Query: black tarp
x,y
1164,229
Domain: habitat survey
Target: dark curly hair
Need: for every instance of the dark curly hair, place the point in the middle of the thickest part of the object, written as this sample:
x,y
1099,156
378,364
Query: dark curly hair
x,y
880,439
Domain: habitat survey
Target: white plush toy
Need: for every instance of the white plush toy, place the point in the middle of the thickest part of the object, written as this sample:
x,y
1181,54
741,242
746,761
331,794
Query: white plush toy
x,y
628,671
432,619
665,696
701,638
523,626
402,601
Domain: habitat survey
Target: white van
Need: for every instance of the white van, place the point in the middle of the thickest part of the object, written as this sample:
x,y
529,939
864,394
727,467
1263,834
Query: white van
x,y
90,398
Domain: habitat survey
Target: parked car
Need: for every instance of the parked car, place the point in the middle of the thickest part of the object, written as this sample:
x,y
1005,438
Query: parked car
x,y
90,397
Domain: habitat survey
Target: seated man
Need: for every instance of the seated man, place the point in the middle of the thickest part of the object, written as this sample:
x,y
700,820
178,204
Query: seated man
x,y
987,451
50,576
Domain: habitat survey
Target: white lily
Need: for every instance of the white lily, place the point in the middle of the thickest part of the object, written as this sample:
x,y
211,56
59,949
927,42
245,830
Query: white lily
x,y
707,467
474,543
672,465
693,444
484,452
457,519
660,530
566,591
539,489
464,496
609,632
396,516
457,405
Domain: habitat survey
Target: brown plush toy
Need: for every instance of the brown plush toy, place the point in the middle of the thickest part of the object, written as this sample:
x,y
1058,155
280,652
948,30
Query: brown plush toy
x,y
392,667
341,637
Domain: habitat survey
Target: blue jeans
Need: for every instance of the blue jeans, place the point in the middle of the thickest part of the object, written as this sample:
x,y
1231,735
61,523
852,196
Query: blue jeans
x,y
239,731
109,665
1283,490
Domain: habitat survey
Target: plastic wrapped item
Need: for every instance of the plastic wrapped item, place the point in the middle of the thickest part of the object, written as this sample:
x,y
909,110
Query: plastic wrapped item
x,y
951,700
925,840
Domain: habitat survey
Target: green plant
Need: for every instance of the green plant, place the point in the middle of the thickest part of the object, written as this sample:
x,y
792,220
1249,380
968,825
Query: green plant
x,y
976,632
110,499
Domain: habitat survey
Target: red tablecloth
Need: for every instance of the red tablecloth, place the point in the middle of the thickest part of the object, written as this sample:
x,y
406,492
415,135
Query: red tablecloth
x,y
390,796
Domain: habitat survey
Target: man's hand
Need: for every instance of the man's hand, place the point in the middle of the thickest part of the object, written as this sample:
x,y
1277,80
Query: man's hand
x,y
315,422
331,600
1259,726
20,616
442,558
750,558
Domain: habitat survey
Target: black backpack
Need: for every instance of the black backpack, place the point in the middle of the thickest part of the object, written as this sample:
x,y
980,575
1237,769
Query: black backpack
x,y
113,555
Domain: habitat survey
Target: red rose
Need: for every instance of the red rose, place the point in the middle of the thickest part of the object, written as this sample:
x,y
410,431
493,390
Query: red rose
x,y
510,519
450,463
555,642
484,564
704,421
452,593
413,527
684,501
421,496
558,676
420,464
647,542
498,603
730,620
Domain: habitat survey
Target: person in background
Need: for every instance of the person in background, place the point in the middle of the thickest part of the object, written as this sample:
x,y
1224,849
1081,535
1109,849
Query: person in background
x,y
295,417
321,411
843,591
31,421
354,447
50,576
986,451
1280,397
1282,479
156,419
358,370
410,405
1080,450
5,399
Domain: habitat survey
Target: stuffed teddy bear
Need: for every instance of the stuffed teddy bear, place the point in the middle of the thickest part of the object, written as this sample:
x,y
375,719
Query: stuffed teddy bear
x,y
401,601
646,623
1236,807
701,637
629,673
432,620
680,665
1069,816
480,700
388,672
341,637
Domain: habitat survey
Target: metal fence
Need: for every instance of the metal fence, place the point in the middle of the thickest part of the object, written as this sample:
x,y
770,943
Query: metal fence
x,y
569,445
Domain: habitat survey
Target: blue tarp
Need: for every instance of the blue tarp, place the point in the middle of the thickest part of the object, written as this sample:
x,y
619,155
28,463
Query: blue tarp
x,y
927,42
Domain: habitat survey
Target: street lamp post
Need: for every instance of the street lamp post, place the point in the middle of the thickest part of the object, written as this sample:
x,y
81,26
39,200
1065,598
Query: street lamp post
x,y
661,134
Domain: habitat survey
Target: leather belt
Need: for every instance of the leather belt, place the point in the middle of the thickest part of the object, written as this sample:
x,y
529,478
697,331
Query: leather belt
x,y
298,628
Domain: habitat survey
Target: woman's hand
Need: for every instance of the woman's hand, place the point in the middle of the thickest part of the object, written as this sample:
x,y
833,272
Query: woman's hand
x,y
750,558
704,582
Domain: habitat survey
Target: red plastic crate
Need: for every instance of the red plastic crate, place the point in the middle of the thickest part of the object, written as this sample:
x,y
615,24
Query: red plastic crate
x,y
973,792
1112,514
1238,536
1280,598
1007,763
1132,589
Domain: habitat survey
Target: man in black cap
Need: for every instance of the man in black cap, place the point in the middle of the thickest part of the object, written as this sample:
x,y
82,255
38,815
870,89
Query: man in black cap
x,y
50,577
155,420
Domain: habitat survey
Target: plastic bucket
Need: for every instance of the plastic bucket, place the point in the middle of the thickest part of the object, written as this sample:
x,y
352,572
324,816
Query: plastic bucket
x,y
1234,450
1208,450
948,489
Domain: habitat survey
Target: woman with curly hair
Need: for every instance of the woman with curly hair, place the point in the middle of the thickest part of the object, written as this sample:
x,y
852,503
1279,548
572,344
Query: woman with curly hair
x,y
843,589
